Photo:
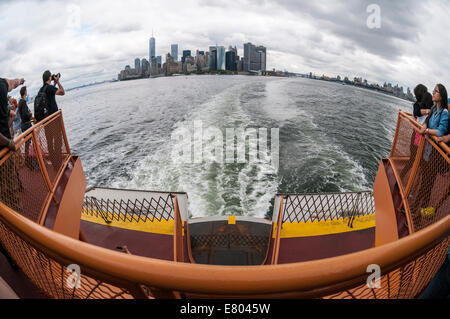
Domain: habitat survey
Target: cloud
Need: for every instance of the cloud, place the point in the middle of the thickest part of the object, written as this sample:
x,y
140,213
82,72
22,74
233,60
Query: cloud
x,y
118,28
93,40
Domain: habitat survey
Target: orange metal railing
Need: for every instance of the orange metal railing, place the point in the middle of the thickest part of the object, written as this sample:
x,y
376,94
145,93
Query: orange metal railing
x,y
29,177
422,170
407,265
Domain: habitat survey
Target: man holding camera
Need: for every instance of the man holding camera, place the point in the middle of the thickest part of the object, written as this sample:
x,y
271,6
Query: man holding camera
x,y
53,130
51,91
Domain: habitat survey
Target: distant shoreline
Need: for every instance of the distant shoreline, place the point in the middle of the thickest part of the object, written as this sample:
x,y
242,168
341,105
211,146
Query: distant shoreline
x,y
370,87
90,84
287,75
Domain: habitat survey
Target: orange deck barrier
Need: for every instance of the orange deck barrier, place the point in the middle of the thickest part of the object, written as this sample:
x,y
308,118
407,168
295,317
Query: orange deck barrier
x,y
407,264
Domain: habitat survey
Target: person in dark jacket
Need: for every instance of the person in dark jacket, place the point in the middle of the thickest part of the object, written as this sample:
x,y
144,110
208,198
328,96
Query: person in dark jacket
x,y
24,111
27,122
421,109
6,86
424,101
53,132
9,178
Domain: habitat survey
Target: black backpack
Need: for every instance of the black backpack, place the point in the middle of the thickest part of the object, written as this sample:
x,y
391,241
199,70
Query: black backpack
x,y
41,105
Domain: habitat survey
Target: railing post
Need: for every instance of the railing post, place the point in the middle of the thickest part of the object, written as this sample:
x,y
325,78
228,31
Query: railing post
x,y
396,134
178,253
66,141
415,167
38,153
276,244
355,210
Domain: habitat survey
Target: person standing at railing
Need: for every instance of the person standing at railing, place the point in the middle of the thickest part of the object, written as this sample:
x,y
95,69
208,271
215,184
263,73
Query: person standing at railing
x,y
424,102
446,138
6,86
27,122
433,164
53,133
16,121
421,109
437,124
24,111
12,116
10,183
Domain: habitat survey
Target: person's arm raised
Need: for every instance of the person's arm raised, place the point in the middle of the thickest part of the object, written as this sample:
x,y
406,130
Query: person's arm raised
x,y
60,88
12,84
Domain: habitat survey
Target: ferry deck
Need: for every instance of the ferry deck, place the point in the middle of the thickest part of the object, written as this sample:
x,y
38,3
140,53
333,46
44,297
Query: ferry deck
x,y
61,240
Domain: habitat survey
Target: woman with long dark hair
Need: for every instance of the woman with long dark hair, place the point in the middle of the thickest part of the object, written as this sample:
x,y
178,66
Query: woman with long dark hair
x,y
437,124
432,163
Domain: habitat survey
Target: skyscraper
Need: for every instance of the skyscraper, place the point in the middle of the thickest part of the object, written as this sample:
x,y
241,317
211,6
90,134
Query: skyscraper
x,y
137,65
220,58
247,50
261,50
145,67
152,48
212,60
154,66
254,57
174,51
230,63
186,53
200,59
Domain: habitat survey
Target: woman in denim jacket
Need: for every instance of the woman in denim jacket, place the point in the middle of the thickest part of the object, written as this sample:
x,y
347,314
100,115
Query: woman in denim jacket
x,y
438,122
446,138
432,163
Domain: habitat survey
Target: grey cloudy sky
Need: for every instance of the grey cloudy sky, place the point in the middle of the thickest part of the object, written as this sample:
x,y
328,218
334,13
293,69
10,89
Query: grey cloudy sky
x,y
89,40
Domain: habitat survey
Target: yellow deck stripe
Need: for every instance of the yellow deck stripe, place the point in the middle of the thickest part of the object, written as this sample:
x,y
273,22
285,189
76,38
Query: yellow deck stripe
x,y
164,227
324,227
231,220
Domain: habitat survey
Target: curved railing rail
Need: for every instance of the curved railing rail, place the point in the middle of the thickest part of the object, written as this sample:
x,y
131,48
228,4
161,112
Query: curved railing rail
x,y
407,265
44,256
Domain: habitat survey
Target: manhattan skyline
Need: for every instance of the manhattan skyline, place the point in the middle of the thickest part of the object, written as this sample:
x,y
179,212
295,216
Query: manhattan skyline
x,y
252,62
89,42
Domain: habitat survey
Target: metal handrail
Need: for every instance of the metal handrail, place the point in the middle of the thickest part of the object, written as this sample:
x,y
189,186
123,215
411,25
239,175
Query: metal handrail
x,y
210,279
19,140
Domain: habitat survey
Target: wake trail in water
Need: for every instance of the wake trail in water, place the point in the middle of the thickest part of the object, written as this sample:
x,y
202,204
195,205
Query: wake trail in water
x,y
213,188
331,137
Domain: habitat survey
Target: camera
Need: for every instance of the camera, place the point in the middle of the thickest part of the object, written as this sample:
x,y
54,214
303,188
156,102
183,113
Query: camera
x,y
56,75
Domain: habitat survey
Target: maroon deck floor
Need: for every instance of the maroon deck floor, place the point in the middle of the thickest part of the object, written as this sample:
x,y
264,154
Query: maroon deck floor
x,y
138,243
317,247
